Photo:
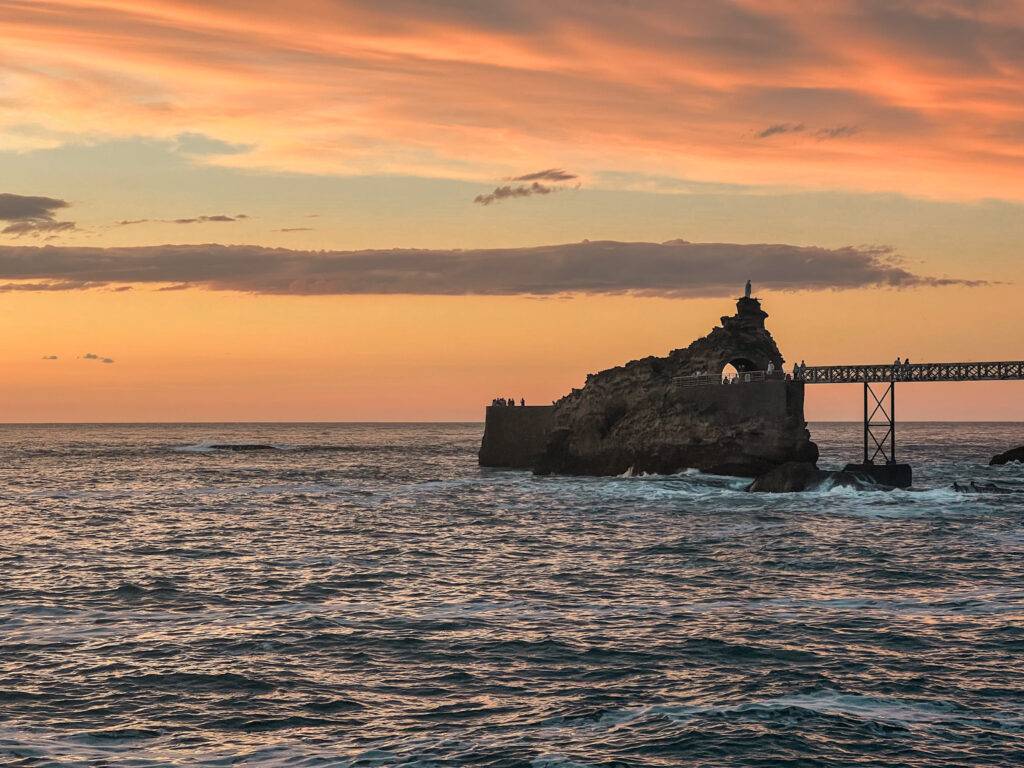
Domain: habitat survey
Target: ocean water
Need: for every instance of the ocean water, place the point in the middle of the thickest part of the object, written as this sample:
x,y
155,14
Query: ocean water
x,y
365,595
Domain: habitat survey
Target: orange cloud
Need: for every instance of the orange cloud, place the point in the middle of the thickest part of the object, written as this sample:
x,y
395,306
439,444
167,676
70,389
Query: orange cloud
x,y
922,97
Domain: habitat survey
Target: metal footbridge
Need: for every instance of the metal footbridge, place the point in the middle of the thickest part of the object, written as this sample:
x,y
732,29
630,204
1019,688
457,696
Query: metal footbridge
x,y
883,374
880,392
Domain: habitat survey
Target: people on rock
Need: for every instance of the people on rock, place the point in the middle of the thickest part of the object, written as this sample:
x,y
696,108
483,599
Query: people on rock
x,y
746,290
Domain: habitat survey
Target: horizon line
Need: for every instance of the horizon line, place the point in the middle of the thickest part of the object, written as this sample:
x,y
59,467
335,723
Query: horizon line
x,y
407,421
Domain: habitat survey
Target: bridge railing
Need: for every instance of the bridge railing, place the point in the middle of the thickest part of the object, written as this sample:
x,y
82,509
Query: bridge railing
x,y
1006,370
855,374
749,377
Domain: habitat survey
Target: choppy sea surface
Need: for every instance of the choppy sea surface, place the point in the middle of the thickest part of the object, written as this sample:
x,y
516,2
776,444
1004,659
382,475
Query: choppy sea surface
x,y
365,595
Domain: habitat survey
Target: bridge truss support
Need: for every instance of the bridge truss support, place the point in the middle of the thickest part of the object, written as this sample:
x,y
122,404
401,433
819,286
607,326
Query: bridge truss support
x,y
880,437
880,422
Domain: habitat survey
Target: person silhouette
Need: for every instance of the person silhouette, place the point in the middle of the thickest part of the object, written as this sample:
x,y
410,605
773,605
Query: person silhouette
x,y
746,290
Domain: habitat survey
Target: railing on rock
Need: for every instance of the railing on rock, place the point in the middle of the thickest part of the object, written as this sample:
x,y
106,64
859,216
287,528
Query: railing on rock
x,y
748,377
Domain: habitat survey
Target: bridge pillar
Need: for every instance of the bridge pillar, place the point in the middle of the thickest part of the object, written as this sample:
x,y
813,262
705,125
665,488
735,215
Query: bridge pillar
x,y
880,423
880,438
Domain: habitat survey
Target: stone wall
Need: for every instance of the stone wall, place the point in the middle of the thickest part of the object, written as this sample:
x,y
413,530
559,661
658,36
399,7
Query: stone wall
x,y
515,436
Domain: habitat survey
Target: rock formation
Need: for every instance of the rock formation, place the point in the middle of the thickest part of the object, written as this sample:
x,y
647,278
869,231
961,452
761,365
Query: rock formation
x,y
642,416
1014,454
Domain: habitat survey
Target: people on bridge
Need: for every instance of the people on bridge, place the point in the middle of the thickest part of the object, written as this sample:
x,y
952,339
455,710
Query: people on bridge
x,y
522,401
771,368
897,363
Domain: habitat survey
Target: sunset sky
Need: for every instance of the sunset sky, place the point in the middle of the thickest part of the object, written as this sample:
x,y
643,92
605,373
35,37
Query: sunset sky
x,y
400,209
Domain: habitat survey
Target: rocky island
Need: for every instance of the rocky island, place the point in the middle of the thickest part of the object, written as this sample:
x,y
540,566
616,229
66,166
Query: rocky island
x,y
666,414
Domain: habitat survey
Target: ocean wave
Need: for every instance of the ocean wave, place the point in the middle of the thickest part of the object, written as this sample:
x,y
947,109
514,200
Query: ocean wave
x,y
865,708
212,446
362,596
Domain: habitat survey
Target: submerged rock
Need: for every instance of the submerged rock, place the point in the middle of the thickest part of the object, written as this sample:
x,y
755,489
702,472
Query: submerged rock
x,y
651,415
790,477
1014,454
797,476
974,487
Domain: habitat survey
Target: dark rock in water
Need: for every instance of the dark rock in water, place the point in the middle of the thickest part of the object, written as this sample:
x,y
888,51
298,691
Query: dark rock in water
x,y
791,477
647,415
797,476
974,487
1015,454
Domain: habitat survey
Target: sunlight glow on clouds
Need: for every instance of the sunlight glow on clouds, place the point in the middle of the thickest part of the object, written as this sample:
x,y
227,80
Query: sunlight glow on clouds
x,y
921,96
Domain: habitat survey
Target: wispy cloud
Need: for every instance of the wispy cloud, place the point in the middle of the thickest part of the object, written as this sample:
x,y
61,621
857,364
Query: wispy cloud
x,y
674,269
50,357
777,128
97,358
49,286
295,229
837,132
508,192
32,215
551,174
220,217
217,218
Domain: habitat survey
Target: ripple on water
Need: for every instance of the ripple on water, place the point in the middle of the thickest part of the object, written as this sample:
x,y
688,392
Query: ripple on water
x,y
309,595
